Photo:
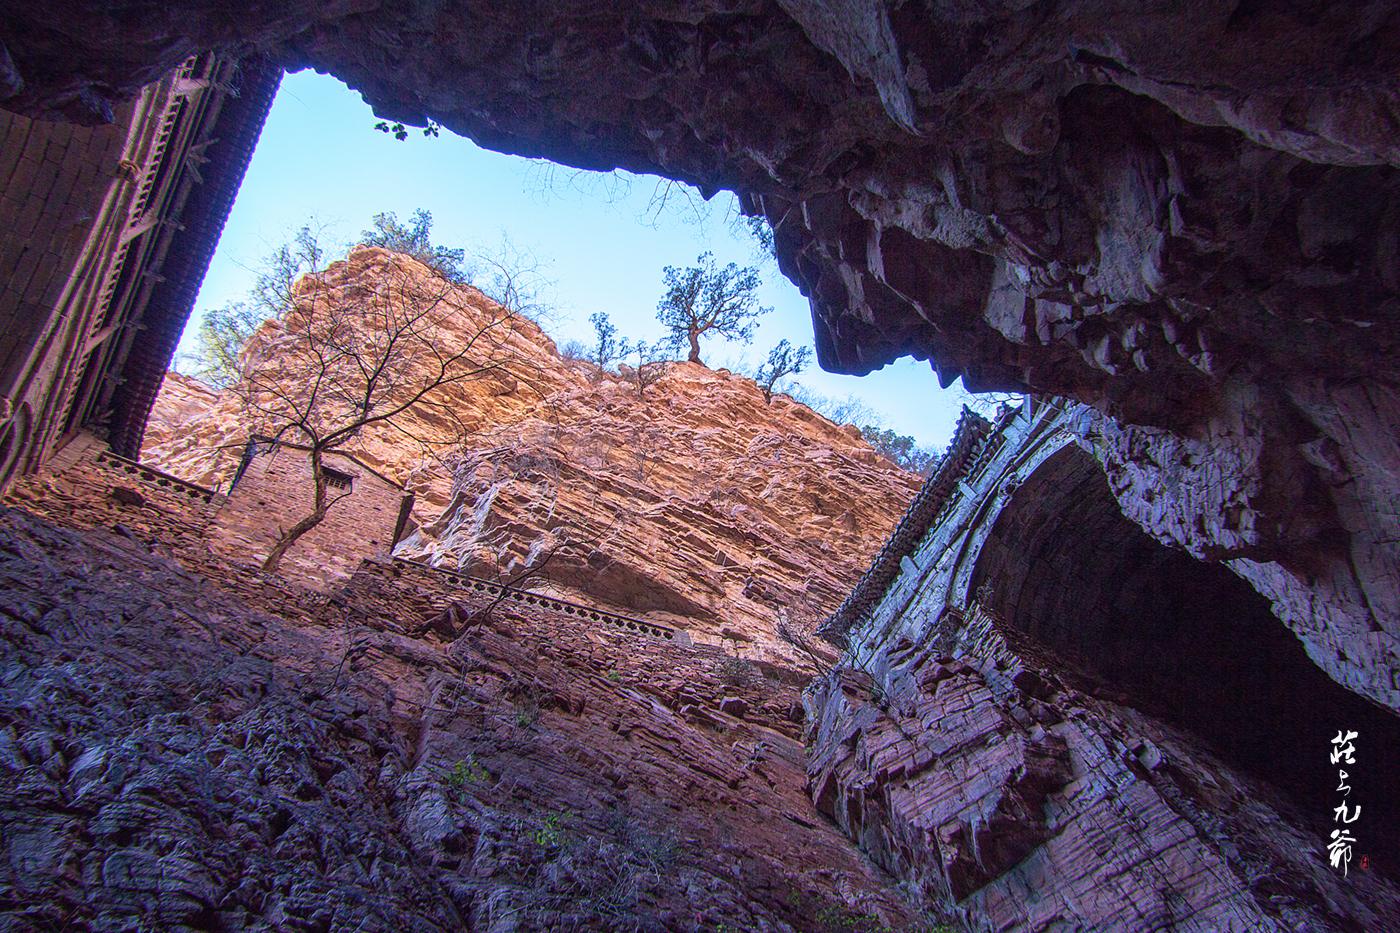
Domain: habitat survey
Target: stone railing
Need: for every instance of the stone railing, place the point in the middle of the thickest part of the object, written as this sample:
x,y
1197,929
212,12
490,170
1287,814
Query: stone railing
x,y
155,477
588,613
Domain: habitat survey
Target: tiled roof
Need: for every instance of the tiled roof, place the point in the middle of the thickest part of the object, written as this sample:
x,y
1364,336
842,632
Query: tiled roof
x,y
194,233
918,518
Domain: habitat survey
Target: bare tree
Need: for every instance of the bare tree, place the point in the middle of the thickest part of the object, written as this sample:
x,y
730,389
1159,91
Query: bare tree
x,y
354,351
798,634
651,364
706,300
989,404
223,332
783,360
513,277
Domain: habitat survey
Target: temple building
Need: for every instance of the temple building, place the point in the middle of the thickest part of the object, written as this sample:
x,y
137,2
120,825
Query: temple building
x,y
109,231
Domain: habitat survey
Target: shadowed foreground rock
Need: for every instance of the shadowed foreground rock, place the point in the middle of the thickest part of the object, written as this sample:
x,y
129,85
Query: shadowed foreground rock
x,y
175,754
985,770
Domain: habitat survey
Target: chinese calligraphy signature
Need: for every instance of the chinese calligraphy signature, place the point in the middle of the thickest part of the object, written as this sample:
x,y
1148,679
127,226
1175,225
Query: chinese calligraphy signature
x,y
1339,849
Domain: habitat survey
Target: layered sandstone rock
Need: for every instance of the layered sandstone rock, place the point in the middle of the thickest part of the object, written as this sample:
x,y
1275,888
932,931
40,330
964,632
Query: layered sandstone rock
x,y
188,745
199,433
694,502
1184,215
989,772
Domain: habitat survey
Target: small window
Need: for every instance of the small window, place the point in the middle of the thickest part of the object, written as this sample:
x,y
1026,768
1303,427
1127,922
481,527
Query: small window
x,y
335,479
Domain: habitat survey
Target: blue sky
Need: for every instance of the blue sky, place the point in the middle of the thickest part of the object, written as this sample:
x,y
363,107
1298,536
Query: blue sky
x,y
601,245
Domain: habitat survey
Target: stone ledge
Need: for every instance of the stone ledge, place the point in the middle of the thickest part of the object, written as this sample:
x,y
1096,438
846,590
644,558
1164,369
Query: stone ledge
x,y
490,588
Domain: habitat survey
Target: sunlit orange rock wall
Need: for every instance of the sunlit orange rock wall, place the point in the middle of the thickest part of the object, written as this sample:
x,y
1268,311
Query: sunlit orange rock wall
x,y
694,503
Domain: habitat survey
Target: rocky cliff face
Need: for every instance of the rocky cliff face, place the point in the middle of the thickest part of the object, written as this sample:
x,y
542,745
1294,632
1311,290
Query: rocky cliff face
x,y
185,746
1185,216
983,769
694,503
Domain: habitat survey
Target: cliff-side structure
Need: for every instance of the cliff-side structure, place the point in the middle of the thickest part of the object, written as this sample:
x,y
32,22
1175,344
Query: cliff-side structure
x,y
693,503
1045,716
107,234
1185,217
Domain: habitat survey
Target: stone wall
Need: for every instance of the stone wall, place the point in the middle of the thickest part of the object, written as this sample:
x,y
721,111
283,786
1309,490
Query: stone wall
x,y
86,485
275,490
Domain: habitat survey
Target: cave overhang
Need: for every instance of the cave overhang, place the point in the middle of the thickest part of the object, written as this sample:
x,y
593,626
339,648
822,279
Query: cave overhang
x,y
1185,218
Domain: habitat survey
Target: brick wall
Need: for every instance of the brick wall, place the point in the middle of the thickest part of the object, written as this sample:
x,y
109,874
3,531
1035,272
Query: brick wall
x,y
699,682
275,490
85,486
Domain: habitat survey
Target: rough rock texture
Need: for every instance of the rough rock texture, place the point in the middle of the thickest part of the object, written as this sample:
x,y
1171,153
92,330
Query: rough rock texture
x,y
183,754
987,771
1060,722
1185,215
696,503
1174,772
199,434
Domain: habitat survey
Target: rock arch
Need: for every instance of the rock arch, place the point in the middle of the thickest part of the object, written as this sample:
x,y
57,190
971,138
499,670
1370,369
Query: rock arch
x,y
1026,509
1186,641
1037,687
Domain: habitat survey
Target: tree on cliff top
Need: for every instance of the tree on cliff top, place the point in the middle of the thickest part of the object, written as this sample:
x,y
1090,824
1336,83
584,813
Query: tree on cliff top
x,y
355,348
415,239
900,449
651,364
705,300
508,277
608,347
783,360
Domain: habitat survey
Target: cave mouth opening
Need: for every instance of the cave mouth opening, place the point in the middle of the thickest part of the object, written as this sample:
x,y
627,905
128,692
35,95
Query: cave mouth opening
x,y
1188,642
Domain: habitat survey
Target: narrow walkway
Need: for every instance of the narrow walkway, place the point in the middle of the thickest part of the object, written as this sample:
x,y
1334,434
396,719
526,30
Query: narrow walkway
x,y
502,591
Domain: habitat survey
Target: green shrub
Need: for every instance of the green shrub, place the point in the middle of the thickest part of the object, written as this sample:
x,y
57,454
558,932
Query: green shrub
x,y
840,920
527,711
550,833
736,671
467,771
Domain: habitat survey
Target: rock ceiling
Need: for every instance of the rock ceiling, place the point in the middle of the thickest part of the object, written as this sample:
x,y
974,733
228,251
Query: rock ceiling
x,y
1188,218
